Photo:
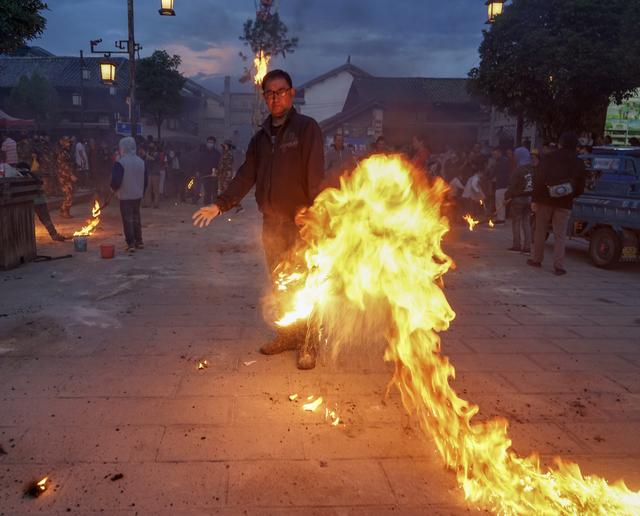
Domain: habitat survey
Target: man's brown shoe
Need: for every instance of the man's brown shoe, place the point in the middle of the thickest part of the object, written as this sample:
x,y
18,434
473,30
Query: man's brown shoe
x,y
281,343
306,356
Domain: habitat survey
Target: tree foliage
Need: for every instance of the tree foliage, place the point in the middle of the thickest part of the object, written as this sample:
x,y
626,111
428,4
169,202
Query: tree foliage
x,y
268,33
34,98
158,85
20,21
559,63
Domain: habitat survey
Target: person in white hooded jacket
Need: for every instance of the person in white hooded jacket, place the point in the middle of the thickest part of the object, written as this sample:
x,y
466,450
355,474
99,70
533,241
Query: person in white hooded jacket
x,y
129,181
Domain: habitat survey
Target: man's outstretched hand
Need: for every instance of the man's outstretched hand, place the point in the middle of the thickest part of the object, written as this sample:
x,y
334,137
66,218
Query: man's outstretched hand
x,y
205,215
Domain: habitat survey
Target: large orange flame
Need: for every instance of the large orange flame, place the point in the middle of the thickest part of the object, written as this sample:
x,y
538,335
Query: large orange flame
x,y
261,66
91,224
372,261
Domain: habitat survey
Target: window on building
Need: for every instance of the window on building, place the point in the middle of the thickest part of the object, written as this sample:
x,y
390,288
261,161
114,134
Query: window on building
x,y
112,90
86,74
76,99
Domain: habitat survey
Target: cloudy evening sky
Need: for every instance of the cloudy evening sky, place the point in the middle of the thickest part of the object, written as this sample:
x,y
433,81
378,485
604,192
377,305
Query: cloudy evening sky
x,y
428,38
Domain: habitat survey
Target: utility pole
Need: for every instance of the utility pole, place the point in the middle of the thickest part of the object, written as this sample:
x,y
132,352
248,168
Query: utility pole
x,y
81,94
133,115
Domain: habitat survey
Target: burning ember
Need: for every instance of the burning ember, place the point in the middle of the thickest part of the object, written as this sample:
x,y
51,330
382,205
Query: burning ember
x,y
312,405
92,223
36,488
374,247
293,397
190,183
491,224
261,66
203,364
471,221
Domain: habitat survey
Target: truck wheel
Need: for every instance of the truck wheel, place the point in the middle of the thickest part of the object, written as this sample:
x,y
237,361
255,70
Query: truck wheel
x,y
605,248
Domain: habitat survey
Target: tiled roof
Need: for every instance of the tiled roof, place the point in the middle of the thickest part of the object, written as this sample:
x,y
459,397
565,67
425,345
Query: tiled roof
x,y
411,90
347,67
59,71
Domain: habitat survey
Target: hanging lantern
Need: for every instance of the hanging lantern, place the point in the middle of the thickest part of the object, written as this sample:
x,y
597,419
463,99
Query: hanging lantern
x,y
494,8
107,71
166,8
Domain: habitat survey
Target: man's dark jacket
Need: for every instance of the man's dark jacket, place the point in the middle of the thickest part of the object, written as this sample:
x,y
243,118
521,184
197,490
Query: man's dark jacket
x,y
285,163
208,159
558,167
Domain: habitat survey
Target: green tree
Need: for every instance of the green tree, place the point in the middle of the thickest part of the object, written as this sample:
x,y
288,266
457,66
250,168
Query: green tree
x,y
269,34
158,85
35,98
559,64
20,21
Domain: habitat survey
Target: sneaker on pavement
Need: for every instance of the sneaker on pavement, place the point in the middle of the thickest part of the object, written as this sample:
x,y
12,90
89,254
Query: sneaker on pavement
x,y
140,245
514,249
559,272
533,263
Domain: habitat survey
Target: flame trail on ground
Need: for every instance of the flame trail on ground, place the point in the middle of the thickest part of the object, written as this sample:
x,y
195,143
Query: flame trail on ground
x,y
92,223
372,264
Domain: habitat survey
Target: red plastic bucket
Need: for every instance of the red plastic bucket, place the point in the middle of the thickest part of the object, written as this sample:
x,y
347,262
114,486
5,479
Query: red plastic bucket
x,y
107,250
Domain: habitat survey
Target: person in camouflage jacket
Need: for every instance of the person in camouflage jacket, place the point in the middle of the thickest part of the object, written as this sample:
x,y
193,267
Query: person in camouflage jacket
x,y
66,177
225,168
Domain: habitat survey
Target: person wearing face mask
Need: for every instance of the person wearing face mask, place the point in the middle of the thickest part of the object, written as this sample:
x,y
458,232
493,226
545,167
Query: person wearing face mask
x,y
285,163
207,171
174,175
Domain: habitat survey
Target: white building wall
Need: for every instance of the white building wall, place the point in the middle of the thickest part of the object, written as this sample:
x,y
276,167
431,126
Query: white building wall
x,y
326,98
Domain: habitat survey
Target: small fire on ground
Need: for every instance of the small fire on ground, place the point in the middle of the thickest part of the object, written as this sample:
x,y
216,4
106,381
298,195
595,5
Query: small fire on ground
x,y
92,223
471,221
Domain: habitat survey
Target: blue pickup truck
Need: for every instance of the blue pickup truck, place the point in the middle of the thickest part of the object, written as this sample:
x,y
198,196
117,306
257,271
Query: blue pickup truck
x,y
608,213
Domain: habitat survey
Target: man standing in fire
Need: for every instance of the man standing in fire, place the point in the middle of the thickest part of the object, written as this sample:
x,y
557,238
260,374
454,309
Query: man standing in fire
x,y
285,161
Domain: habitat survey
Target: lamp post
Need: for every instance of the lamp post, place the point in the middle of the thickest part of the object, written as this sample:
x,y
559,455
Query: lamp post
x,y
494,8
130,47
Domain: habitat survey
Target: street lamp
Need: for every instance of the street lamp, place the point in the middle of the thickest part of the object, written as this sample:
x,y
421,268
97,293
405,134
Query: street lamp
x,y
494,8
129,47
107,70
166,8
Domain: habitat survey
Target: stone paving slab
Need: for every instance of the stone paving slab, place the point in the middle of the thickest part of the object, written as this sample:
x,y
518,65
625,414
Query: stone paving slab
x,y
98,376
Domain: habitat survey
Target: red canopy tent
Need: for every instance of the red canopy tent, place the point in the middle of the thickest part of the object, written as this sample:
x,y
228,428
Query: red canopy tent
x,y
10,122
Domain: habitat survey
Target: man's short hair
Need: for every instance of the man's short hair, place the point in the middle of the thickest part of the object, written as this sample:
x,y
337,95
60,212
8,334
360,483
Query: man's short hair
x,y
276,74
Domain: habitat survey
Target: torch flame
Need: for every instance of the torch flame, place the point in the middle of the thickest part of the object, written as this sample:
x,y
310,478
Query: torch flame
x,y
374,247
471,221
261,66
491,224
91,224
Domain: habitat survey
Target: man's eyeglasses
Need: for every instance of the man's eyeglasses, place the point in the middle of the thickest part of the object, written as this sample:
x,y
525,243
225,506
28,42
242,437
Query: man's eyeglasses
x,y
270,95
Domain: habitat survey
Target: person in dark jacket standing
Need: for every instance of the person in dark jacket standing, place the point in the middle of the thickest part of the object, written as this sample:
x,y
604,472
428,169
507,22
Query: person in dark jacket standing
x,y
518,195
557,182
128,181
285,162
208,162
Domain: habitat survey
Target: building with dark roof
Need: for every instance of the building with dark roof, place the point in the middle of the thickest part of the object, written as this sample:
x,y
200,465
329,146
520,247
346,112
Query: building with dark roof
x,y
323,97
398,108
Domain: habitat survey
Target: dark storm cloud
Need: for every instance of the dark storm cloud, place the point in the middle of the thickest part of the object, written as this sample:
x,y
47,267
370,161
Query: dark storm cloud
x,y
403,37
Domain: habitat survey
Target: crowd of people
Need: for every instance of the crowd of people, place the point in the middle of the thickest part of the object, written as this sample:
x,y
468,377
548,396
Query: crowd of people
x,y
177,172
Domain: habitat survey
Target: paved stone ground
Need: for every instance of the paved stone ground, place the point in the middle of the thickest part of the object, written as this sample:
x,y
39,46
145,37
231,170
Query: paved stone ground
x,y
98,377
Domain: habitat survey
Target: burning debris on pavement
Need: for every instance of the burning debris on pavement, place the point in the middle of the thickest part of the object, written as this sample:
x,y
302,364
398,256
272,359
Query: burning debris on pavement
x,y
36,488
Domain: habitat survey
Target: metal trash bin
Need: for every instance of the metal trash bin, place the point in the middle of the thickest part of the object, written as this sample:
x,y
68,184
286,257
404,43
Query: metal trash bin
x,y
17,224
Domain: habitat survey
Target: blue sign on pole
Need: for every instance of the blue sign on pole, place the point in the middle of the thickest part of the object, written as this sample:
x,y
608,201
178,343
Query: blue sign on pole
x,y
124,128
